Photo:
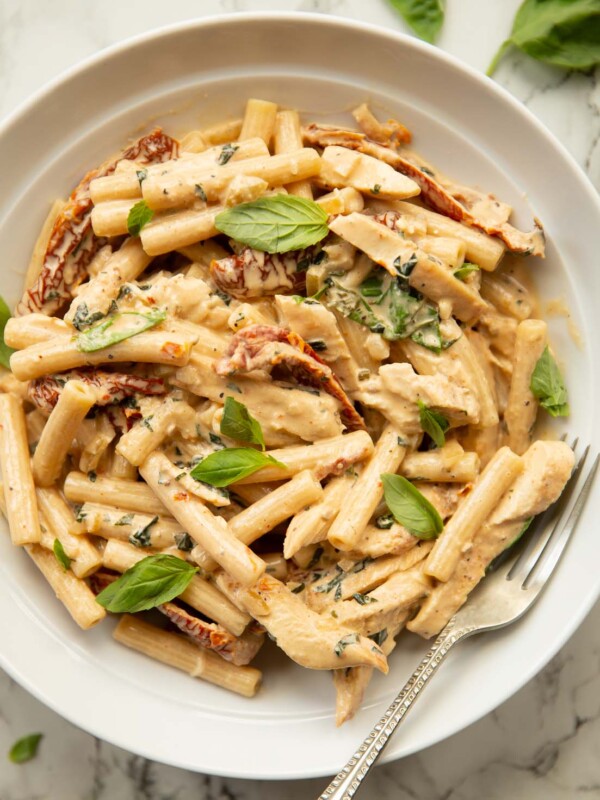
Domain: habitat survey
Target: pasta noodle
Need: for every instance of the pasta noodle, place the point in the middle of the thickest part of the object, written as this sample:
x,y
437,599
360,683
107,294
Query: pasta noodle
x,y
277,379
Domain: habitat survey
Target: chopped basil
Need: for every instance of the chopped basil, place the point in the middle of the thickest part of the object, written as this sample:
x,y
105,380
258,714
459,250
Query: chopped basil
x,y
184,542
384,521
141,175
60,555
467,269
299,588
126,519
344,642
318,345
376,189
379,637
238,423
199,191
391,309
83,317
433,423
363,599
92,476
316,557
143,537
410,508
117,328
25,749
231,464
548,387
5,351
226,153
146,422
139,216
154,580
275,224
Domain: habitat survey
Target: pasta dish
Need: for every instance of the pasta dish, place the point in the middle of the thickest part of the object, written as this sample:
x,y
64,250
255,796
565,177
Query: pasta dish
x,y
275,380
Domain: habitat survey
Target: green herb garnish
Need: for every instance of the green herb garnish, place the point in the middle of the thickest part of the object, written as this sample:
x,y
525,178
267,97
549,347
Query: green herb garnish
x,y
60,555
153,580
5,351
117,328
344,642
433,423
143,537
548,387
226,153
275,224
139,216
565,33
410,508
467,269
25,749
425,17
232,464
238,423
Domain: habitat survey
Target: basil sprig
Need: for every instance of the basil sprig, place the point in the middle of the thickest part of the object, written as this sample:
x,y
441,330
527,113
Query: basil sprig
x,y
433,423
275,224
565,33
232,464
5,351
25,749
238,423
467,269
548,386
410,508
60,555
116,328
425,17
139,216
152,581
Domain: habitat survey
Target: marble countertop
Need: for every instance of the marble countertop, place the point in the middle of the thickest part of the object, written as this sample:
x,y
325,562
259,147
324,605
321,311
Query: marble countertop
x,y
542,744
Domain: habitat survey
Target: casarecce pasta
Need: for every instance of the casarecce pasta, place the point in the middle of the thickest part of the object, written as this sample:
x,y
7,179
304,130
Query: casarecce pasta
x,y
276,379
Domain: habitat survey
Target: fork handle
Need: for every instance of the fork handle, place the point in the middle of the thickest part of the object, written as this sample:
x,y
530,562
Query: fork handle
x,y
347,782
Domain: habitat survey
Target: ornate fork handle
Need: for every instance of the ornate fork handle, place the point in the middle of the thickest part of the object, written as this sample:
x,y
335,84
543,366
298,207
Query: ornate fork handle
x,y
346,783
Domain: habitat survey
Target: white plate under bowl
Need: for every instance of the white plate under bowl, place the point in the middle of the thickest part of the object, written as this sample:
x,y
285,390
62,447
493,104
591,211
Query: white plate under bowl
x,y
193,75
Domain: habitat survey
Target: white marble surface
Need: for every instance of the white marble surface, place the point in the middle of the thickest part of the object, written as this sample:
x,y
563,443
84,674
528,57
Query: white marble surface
x,y
544,743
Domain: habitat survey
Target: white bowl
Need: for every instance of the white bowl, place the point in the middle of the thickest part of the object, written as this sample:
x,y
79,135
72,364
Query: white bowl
x,y
195,74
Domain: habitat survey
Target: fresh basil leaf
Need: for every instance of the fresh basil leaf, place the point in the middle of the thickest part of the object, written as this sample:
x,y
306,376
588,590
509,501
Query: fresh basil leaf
x,y
410,508
433,423
5,351
275,224
548,387
230,465
153,580
425,17
565,33
467,269
25,749
116,328
139,216
239,424
59,552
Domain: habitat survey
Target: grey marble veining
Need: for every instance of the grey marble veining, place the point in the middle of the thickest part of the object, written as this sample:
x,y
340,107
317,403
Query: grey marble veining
x,y
542,744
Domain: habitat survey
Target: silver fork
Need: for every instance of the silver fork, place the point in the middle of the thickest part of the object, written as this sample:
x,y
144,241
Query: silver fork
x,y
504,596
